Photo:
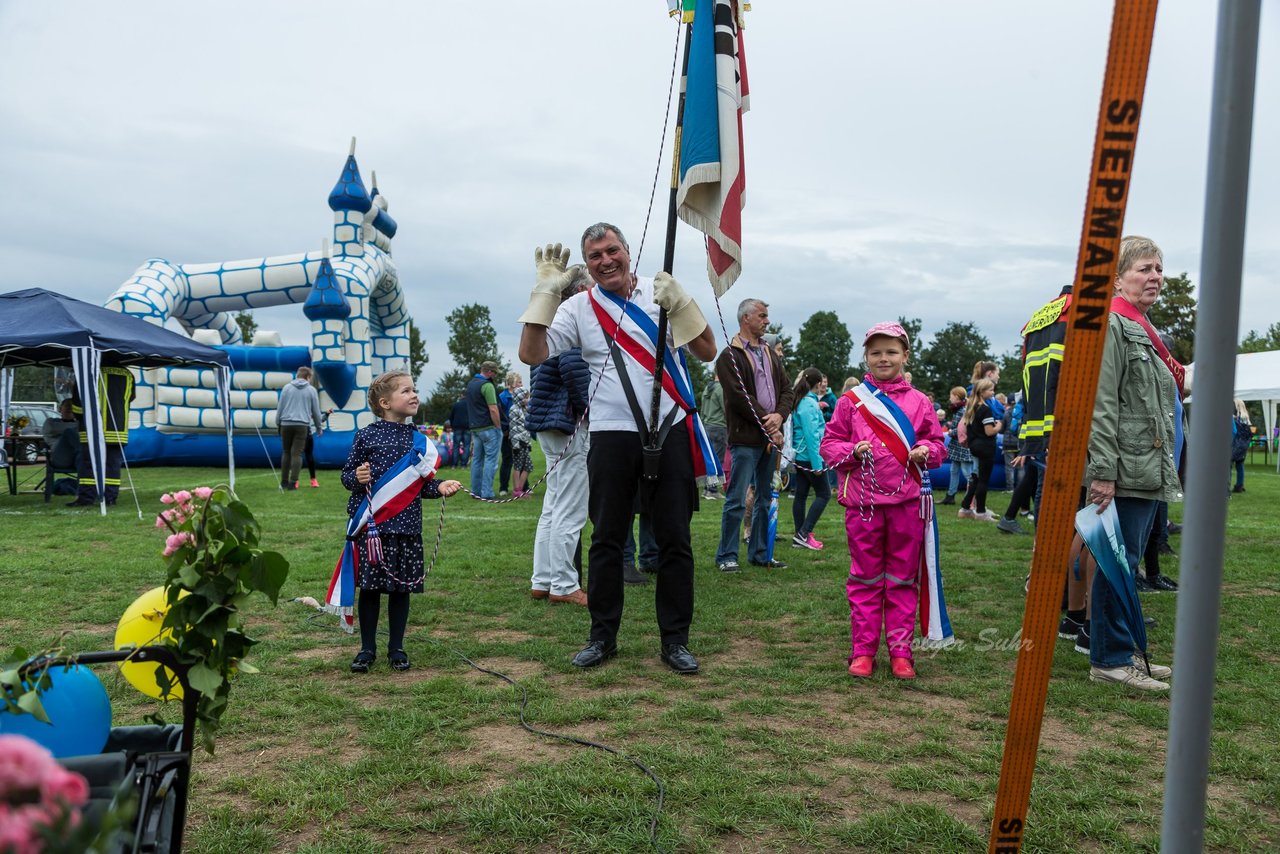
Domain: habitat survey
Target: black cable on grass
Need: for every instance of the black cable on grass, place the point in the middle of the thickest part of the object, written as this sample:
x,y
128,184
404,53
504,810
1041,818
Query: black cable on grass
x,y
524,723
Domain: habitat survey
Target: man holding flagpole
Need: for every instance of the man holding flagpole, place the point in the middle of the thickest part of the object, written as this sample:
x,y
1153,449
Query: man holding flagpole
x,y
615,324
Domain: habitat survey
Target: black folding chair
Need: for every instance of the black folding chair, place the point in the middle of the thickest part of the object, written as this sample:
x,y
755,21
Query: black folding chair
x,y
156,760
60,458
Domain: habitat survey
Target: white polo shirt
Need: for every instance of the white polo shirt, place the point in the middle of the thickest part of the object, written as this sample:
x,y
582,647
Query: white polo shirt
x,y
576,325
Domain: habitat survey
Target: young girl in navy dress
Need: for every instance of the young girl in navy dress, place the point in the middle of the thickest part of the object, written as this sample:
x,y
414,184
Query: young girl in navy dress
x,y
376,448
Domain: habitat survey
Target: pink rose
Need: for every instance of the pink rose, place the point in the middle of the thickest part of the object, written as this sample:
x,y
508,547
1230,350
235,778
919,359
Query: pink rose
x,y
182,497
203,492
18,835
176,541
66,787
166,499
160,521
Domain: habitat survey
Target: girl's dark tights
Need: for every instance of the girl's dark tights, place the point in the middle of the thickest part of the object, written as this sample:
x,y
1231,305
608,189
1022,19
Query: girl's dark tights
x,y
369,605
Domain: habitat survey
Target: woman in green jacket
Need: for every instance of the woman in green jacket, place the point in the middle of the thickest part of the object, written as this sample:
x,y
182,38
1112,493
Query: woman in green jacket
x,y
1131,449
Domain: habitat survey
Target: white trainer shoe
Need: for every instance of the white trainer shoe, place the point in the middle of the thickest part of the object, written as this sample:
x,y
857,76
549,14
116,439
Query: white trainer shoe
x,y
1159,671
1134,677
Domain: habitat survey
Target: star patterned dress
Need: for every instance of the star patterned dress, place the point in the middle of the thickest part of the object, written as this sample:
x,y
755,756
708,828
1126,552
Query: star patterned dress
x,y
382,444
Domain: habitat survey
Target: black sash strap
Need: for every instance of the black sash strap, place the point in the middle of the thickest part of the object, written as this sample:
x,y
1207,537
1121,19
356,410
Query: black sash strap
x,y
652,450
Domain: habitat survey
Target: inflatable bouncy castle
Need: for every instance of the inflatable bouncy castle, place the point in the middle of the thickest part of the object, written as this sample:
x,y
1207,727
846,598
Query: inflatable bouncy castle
x,y
359,328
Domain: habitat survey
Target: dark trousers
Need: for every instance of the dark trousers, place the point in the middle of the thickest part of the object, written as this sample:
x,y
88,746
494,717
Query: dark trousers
x,y
1159,534
817,480
293,439
309,454
88,484
504,468
461,447
614,472
648,546
1024,491
977,490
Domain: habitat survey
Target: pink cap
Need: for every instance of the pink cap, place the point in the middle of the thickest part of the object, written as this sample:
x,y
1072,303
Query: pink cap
x,y
889,329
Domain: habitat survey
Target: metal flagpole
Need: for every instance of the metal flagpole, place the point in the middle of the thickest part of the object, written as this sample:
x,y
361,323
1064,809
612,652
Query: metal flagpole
x,y
1196,635
669,249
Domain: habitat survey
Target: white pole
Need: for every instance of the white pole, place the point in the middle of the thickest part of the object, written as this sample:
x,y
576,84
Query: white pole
x,y
1217,324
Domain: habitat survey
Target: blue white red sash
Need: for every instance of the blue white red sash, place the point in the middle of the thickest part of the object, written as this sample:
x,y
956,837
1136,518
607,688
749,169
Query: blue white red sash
x,y
892,427
392,493
636,334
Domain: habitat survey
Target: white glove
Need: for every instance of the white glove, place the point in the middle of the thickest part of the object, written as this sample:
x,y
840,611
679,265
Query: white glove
x,y
683,314
551,279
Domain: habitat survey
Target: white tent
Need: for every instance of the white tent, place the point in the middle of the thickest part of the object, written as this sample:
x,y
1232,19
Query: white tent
x,y
1258,378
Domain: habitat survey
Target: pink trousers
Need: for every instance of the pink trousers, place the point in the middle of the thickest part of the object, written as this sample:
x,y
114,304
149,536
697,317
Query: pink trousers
x,y
884,569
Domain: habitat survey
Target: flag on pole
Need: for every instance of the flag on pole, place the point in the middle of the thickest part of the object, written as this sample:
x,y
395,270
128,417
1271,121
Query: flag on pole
x,y
685,8
712,184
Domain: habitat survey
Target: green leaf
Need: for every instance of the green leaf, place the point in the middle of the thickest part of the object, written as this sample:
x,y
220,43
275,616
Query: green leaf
x,y
189,576
166,681
205,679
268,573
246,667
30,703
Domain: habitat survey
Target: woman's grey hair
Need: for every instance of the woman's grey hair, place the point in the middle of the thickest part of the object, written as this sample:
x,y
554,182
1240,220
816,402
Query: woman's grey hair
x,y
599,230
748,305
581,281
1133,249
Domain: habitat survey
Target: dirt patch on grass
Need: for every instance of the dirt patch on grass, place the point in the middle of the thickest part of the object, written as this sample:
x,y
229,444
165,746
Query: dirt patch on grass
x,y
499,635
321,652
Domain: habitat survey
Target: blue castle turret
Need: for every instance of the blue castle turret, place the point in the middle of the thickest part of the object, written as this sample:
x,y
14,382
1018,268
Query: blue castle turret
x,y
382,220
328,309
349,201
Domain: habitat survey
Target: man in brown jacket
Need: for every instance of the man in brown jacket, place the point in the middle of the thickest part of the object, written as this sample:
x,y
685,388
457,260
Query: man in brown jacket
x,y
757,400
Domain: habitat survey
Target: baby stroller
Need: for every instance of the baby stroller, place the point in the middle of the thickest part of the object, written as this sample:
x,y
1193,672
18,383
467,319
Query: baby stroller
x,y
155,760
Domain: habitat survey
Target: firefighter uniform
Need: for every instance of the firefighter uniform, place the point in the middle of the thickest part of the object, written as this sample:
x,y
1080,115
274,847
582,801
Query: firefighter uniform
x,y
115,393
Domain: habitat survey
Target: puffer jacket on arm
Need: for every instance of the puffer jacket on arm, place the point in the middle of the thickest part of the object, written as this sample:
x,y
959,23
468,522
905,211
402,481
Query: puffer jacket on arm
x,y
559,391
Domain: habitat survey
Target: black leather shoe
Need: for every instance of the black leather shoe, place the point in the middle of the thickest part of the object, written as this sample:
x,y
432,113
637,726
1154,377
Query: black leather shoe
x,y
80,503
363,661
1163,582
678,658
1165,549
770,564
594,653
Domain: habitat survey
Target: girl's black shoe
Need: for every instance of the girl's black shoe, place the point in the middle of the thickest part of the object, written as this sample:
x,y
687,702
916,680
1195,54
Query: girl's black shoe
x,y
363,661
399,659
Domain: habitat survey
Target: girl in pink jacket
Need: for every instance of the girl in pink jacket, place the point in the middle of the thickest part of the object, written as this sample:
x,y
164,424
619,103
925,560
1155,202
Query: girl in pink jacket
x,y
882,440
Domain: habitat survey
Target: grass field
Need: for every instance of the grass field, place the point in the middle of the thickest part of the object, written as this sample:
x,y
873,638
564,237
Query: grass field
x,y
772,747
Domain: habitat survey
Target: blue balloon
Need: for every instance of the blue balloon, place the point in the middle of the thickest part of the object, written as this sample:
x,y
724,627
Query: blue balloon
x,y
79,714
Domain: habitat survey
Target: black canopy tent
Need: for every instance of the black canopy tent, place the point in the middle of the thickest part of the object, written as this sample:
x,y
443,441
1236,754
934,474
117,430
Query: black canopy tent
x,y
40,327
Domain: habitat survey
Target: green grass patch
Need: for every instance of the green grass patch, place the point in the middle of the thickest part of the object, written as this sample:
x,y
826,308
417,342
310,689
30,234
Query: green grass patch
x,y
771,748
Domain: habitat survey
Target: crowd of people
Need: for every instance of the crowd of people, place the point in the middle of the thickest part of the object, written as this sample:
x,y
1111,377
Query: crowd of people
x,y
591,336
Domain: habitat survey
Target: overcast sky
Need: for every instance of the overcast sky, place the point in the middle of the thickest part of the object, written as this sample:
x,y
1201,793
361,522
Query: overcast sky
x,y
927,158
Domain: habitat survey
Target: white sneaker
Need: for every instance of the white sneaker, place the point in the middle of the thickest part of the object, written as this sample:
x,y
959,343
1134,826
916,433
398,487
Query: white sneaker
x,y
1129,675
986,516
1158,671
966,514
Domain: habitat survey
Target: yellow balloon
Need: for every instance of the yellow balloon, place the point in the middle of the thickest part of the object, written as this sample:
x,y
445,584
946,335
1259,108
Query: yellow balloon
x,y
141,626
